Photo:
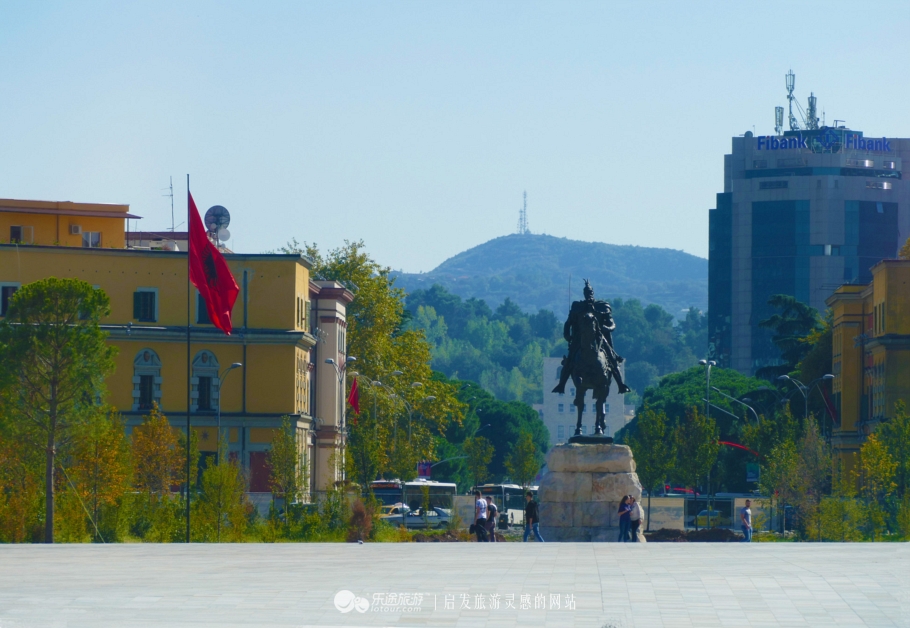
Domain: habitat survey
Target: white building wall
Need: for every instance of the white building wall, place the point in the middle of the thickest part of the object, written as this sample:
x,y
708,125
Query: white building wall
x,y
558,413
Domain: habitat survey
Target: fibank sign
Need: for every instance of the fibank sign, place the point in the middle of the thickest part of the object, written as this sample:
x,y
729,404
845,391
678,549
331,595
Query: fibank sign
x,y
829,141
769,142
861,143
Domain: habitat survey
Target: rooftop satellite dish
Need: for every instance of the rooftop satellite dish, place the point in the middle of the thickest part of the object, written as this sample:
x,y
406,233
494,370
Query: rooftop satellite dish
x,y
224,235
217,217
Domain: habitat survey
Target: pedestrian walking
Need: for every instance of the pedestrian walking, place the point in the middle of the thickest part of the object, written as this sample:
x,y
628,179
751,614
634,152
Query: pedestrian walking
x,y
745,516
532,518
480,517
492,512
636,517
625,520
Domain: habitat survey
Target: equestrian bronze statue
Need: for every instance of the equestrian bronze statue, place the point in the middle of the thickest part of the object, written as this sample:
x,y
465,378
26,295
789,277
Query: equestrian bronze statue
x,y
592,363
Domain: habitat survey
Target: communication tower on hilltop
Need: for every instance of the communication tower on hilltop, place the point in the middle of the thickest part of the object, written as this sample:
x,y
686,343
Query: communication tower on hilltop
x,y
523,217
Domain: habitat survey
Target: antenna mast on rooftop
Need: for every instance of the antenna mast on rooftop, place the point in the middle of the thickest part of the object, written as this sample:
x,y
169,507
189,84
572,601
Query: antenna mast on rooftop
x,y
523,217
170,193
778,120
791,85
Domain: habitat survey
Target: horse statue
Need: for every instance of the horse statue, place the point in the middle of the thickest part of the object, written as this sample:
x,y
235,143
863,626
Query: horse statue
x,y
591,363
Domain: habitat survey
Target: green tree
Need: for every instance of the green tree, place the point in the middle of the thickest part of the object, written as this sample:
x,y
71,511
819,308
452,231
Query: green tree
x,y
778,476
100,467
524,461
20,492
56,357
390,352
479,452
158,461
842,515
220,505
895,436
813,474
653,447
287,464
795,322
696,449
878,469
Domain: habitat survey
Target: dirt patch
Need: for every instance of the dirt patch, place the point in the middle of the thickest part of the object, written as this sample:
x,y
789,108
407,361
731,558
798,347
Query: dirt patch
x,y
709,535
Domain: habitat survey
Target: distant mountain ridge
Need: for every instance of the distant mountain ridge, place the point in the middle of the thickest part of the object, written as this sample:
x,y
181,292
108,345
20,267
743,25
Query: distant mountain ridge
x,y
534,271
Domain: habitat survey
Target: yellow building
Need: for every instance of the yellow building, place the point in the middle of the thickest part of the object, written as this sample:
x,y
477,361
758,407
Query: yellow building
x,y
88,225
871,351
285,327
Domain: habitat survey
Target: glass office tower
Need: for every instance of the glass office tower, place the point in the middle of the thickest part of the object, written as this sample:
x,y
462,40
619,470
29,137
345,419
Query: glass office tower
x,y
800,214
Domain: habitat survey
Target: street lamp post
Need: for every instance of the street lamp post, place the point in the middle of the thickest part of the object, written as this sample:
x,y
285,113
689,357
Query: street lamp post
x,y
707,364
235,365
734,399
342,428
805,390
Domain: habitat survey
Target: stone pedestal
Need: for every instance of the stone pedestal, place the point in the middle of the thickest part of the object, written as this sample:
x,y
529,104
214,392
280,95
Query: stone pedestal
x,y
580,492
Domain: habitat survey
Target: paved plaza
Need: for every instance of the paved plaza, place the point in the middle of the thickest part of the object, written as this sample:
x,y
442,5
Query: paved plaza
x,y
455,584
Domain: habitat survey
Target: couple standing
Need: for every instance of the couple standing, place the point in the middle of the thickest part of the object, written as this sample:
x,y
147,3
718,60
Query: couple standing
x,y
631,516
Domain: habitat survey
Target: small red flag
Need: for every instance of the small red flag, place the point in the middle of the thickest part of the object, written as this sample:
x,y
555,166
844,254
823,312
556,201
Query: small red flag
x,y
210,274
354,399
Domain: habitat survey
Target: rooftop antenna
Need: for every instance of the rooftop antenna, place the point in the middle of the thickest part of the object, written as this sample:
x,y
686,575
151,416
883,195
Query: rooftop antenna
x,y
171,194
523,217
811,113
791,85
778,120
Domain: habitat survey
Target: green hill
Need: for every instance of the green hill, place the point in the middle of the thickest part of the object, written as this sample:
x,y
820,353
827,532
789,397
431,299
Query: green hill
x,y
534,271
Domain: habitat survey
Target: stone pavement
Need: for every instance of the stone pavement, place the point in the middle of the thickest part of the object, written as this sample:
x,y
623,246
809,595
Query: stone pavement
x,y
507,584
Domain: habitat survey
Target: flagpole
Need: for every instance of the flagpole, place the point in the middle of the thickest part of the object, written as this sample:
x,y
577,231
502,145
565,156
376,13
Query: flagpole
x,y
188,366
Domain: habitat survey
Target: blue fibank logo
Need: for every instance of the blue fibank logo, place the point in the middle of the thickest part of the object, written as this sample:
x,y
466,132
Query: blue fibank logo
x,y
861,143
769,142
828,141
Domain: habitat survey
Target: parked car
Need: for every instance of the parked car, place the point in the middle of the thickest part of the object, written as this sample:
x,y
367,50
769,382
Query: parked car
x,y
395,515
435,518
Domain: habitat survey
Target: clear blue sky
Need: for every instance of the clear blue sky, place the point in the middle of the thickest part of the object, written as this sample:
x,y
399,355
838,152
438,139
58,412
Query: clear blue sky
x,y
416,126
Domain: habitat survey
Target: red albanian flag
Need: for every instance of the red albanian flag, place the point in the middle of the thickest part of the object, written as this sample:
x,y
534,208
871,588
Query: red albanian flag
x,y
354,398
210,274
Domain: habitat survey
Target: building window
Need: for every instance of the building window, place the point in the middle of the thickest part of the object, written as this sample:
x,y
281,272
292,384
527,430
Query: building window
x,y
91,239
607,408
760,163
205,393
560,432
7,291
145,305
21,235
572,391
562,407
773,185
859,163
878,185
889,165
146,380
202,311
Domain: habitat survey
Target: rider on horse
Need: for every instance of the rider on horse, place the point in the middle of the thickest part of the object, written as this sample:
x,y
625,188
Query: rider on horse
x,y
602,316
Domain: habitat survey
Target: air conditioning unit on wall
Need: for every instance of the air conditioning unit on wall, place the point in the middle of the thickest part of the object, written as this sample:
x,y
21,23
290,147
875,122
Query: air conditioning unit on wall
x,y
75,230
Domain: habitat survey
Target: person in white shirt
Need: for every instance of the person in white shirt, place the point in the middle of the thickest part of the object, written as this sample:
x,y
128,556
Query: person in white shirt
x,y
480,517
745,516
637,516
